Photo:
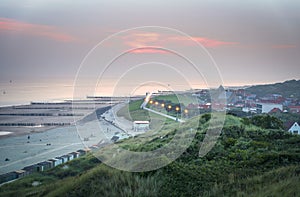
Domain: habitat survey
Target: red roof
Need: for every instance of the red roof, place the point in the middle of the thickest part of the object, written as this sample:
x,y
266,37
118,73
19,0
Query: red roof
x,y
271,101
294,107
275,110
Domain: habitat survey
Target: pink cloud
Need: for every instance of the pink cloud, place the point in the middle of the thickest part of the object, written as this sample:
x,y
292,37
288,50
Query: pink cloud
x,y
146,39
11,25
149,50
140,39
211,43
206,42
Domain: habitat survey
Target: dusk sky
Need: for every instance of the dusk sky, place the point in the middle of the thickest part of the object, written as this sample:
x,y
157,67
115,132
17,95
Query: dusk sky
x,y
43,42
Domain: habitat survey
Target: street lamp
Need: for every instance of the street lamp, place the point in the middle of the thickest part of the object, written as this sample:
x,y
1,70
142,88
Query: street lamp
x,y
186,111
177,109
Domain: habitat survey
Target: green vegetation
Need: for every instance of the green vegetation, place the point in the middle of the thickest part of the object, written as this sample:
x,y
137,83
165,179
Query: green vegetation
x,y
287,118
280,182
264,121
133,112
174,105
286,89
247,160
176,98
51,179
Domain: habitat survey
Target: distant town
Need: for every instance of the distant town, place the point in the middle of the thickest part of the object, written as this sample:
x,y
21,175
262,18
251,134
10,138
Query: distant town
x,y
240,99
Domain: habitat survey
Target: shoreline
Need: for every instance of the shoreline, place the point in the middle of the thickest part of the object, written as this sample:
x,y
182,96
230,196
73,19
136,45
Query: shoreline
x,y
15,133
45,114
51,142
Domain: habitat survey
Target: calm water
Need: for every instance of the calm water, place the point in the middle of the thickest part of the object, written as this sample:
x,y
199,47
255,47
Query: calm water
x,y
17,93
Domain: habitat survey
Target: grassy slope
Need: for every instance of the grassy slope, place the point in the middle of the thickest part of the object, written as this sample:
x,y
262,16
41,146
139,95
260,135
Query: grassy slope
x,y
246,161
133,112
286,89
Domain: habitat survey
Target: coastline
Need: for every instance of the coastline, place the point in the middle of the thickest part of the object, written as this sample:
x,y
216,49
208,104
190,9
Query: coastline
x,y
22,131
25,119
22,150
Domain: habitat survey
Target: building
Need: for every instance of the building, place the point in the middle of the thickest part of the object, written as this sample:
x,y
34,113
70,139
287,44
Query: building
x,y
295,129
60,160
294,109
8,177
21,173
55,162
275,110
141,125
42,166
31,169
83,151
75,154
70,156
65,158
267,107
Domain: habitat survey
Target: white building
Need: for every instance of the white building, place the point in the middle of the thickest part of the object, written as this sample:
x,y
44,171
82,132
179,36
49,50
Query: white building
x,y
71,156
55,162
267,107
295,128
141,125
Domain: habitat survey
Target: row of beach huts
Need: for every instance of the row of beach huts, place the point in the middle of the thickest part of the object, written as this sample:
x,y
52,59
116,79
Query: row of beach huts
x,y
42,166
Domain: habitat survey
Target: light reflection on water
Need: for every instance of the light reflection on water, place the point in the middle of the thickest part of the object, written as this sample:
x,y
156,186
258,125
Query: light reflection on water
x,y
13,94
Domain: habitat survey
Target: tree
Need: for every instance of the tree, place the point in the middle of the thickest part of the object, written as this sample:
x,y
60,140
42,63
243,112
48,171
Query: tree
x,y
267,122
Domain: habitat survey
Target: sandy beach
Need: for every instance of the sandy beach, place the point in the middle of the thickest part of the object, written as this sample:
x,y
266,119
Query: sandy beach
x,y
25,149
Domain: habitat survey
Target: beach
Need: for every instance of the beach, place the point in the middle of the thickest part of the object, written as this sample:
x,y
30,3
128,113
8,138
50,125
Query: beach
x,y
19,151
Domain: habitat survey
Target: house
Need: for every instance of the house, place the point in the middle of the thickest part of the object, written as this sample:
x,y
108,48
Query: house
x,y
31,168
65,158
294,109
50,164
55,162
42,166
70,156
82,152
60,160
8,177
141,125
275,110
249,109
75,154
205,106
218,106
21,173
295,128
267,107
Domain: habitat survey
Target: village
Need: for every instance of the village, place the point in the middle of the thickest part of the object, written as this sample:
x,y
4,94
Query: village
x,y
235,101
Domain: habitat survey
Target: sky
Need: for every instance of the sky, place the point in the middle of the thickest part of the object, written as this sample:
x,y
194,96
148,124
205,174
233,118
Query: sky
x,y
48,46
